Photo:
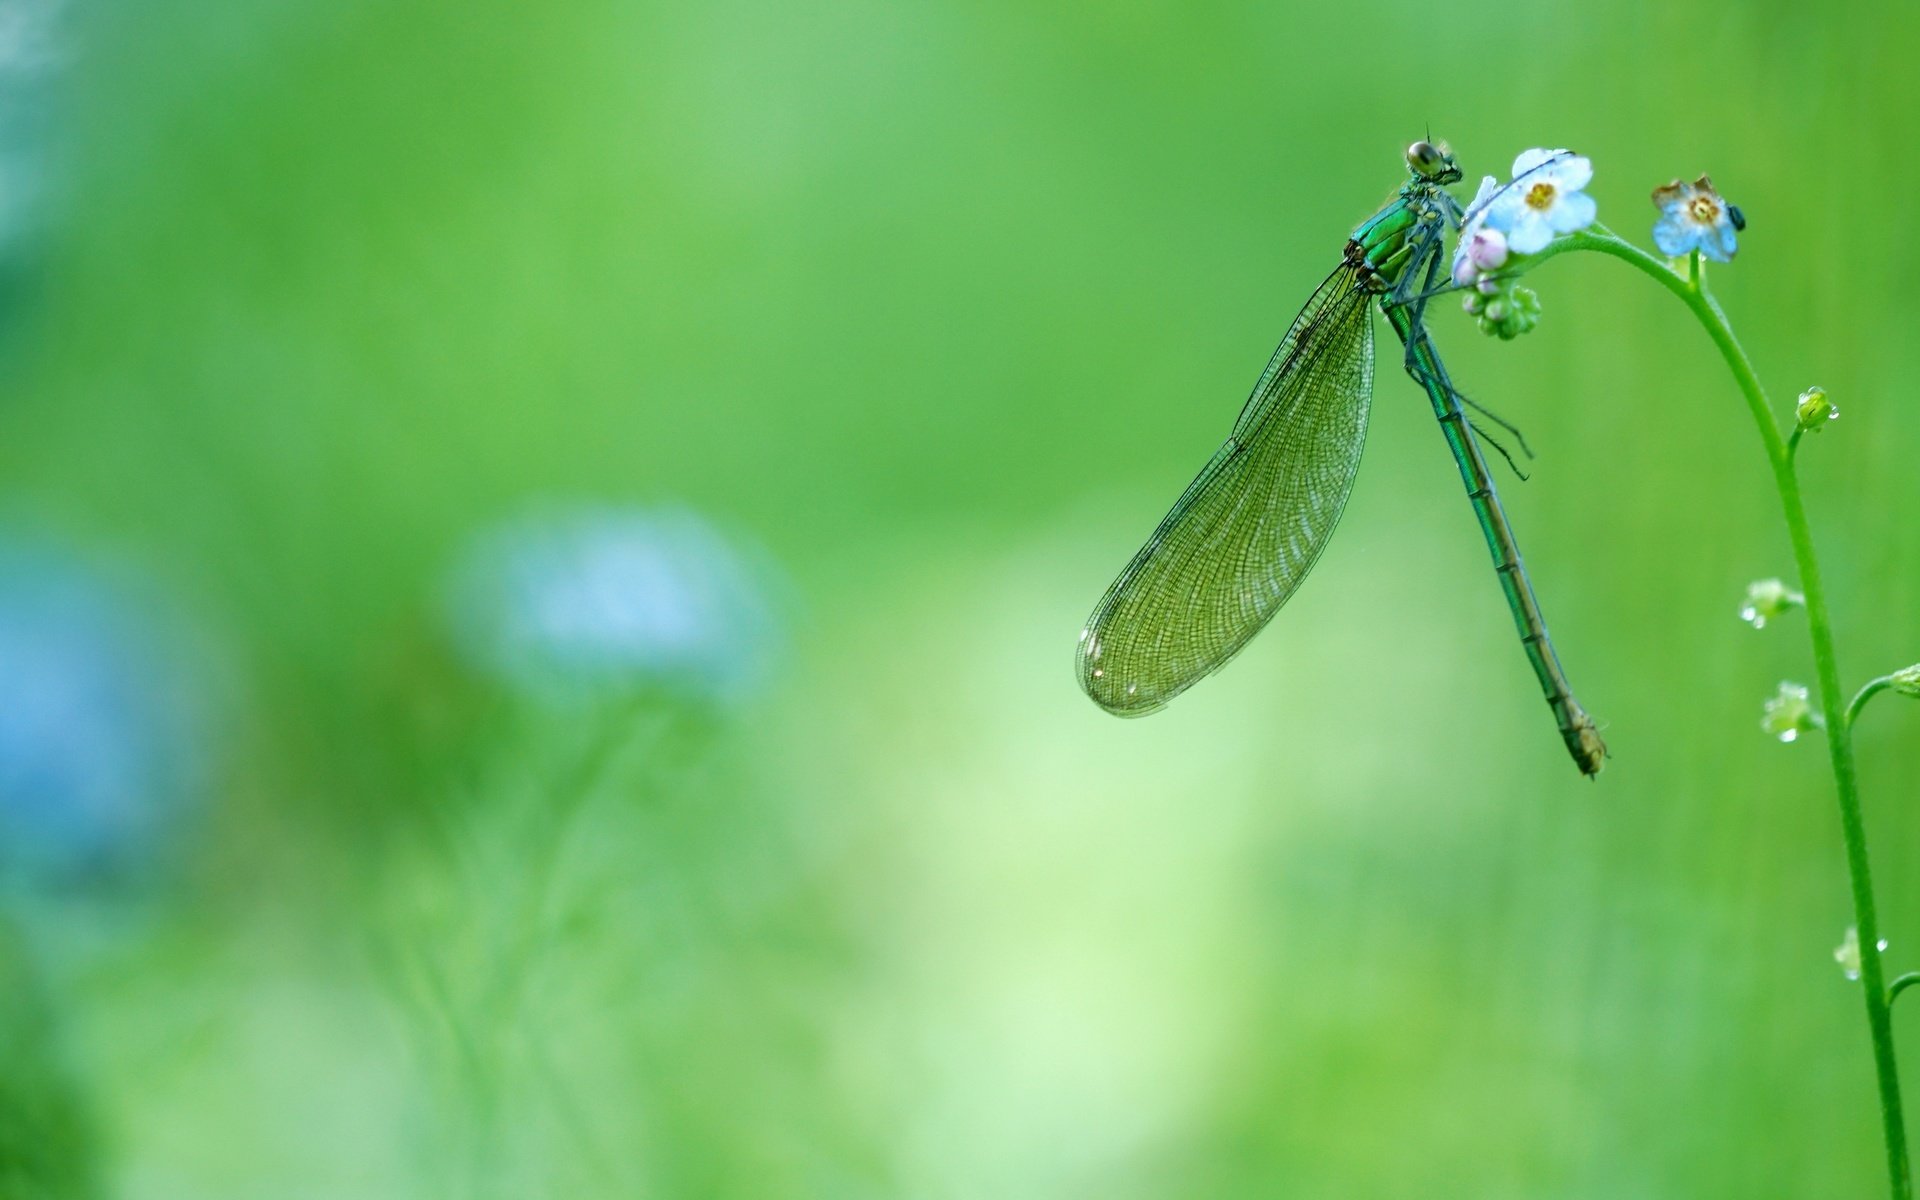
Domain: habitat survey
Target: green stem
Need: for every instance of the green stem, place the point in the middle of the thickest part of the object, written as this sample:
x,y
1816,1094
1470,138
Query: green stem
x,y
1865,694
1900,985
1691,291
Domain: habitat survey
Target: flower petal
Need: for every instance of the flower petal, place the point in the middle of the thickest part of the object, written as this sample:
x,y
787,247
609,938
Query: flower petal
x,y
1572,174
1675,235
1530,159
1490,208
1719,243
1530,233
1671,196
1504,209
1574,211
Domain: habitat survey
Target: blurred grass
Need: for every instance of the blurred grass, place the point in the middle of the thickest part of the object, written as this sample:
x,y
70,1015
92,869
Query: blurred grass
x,y
942,304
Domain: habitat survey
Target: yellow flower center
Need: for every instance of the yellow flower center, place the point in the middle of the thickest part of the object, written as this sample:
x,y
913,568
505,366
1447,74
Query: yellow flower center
x,y
1703,210
1540,196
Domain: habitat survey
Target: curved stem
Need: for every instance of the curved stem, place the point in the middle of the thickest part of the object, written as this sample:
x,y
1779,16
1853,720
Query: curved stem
x,y
1865,694
1900,985
1692,292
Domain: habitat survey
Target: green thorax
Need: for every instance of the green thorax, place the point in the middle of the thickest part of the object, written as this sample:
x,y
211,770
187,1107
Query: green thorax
x,y
1385,243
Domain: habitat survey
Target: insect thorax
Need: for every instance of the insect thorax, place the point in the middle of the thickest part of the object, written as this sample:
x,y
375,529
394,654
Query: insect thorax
x,y
1388,242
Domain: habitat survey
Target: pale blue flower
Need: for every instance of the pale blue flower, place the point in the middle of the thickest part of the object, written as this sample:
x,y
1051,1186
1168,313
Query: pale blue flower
x,y
102,717
1477,245
1545,198
1479,210
577,603
1695,217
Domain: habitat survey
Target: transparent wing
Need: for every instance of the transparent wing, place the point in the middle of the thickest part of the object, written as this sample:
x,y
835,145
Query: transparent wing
x,y
1251,525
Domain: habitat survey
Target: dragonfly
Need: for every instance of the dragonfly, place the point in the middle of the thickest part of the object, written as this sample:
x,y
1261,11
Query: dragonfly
x,y
1247,531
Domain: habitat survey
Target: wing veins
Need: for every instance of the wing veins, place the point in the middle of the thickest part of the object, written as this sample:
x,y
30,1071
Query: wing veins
x,y
1227,556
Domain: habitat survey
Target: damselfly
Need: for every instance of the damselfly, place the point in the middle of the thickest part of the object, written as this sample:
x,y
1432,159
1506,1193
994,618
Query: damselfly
x,y
1249,528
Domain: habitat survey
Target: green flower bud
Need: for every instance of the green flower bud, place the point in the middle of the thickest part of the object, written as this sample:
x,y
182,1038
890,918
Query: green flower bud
x,y
1767,599
1906,681
1789,714
1507,317
1815,410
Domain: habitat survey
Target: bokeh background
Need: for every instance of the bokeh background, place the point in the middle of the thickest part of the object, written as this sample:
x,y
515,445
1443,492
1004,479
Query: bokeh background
x,y
540,547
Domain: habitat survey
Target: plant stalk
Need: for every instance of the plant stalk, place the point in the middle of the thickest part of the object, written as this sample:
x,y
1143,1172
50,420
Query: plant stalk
x,y
1691,289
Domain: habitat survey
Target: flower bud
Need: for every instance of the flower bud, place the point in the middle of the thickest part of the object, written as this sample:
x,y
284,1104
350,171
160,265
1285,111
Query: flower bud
x,y
1815,409
1788,714
1906,681
1487,249
1767,599
1514,313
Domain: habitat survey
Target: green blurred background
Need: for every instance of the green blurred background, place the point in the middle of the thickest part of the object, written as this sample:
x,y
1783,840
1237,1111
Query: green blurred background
x,y
928,311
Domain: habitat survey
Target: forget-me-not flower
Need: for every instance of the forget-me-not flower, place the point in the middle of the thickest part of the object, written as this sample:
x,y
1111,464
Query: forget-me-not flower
x,y
1695,217
574,604
1546,198
1483,246
102,719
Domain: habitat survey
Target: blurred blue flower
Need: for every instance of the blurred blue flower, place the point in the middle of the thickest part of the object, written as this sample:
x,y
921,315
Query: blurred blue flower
x,y
1694,217
1546,198
101,747
577,603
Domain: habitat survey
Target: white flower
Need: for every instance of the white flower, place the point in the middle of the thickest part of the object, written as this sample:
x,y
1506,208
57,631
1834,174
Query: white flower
x,y
1545,198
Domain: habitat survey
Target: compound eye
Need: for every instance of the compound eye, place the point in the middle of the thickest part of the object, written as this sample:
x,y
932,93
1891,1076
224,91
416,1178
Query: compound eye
x,y
1425,158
